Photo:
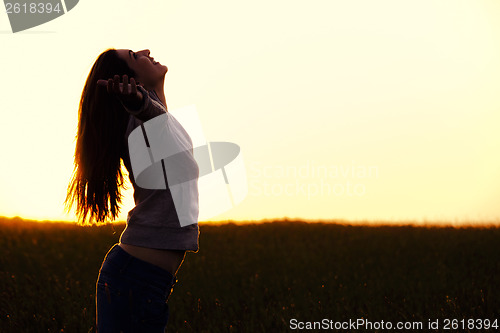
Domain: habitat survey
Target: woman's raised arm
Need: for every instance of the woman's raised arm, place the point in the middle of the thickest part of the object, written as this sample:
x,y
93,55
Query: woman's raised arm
x,y
133,97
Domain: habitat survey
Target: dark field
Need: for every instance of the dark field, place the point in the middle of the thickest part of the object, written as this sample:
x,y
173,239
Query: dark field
x,y
257,277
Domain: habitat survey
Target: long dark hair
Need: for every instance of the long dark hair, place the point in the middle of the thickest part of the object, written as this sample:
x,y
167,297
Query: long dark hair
x,y
102,121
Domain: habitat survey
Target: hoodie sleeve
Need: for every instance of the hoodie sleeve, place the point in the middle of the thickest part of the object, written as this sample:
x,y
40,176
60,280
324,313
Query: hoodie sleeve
x,y
148,109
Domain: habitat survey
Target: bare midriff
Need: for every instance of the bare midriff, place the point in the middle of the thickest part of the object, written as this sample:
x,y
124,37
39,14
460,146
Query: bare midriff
x,y
169,260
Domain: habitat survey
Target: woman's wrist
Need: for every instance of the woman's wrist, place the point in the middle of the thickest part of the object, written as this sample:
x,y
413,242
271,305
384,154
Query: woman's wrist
x,y
135,105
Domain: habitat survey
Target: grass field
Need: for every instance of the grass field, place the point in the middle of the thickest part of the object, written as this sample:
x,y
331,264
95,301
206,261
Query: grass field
x,y
257,277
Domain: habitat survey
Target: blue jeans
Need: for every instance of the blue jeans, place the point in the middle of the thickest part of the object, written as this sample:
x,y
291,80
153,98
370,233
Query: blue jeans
x,y
131,294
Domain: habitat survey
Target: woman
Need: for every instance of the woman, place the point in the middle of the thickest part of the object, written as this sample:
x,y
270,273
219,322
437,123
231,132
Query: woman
x,y
124,89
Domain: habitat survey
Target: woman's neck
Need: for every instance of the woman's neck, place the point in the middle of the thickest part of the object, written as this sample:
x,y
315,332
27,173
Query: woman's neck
x,y
161,94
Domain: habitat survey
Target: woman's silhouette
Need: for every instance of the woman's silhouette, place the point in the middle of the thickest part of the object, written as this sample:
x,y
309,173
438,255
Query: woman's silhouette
x,y
123,90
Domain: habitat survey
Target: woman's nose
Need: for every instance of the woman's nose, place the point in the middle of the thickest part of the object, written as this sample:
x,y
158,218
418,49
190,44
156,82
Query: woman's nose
x,y
145,52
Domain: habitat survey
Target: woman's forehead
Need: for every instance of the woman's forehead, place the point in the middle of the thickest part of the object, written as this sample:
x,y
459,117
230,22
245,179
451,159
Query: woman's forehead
x,y
124,53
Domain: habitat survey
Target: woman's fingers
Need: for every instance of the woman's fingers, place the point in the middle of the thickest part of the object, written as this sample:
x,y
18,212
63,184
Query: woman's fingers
x,y
116,85
133,86
125,90
110,86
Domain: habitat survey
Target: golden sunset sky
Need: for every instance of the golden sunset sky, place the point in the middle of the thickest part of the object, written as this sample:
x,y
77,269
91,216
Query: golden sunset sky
x,y
377,110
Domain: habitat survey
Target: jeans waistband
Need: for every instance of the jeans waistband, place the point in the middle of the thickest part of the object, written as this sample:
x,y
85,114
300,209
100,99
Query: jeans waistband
x,y
123,263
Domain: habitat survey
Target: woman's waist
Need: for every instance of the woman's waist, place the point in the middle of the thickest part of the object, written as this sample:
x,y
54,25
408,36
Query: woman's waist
x,y
169,260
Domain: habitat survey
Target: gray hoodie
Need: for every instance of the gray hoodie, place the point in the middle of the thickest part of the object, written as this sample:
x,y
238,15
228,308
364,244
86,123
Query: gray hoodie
x,y
154,222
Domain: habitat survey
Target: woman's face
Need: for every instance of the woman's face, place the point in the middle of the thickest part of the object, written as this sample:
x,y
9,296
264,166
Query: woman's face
x,y
148,71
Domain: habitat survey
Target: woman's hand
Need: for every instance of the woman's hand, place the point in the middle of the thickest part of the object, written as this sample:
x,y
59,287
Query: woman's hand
x,y
127,93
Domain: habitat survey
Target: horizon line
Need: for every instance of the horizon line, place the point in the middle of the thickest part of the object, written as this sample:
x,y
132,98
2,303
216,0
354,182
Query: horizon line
x,y
285,219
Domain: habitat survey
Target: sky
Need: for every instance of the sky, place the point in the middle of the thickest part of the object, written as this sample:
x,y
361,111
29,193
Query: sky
x,y
352,110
